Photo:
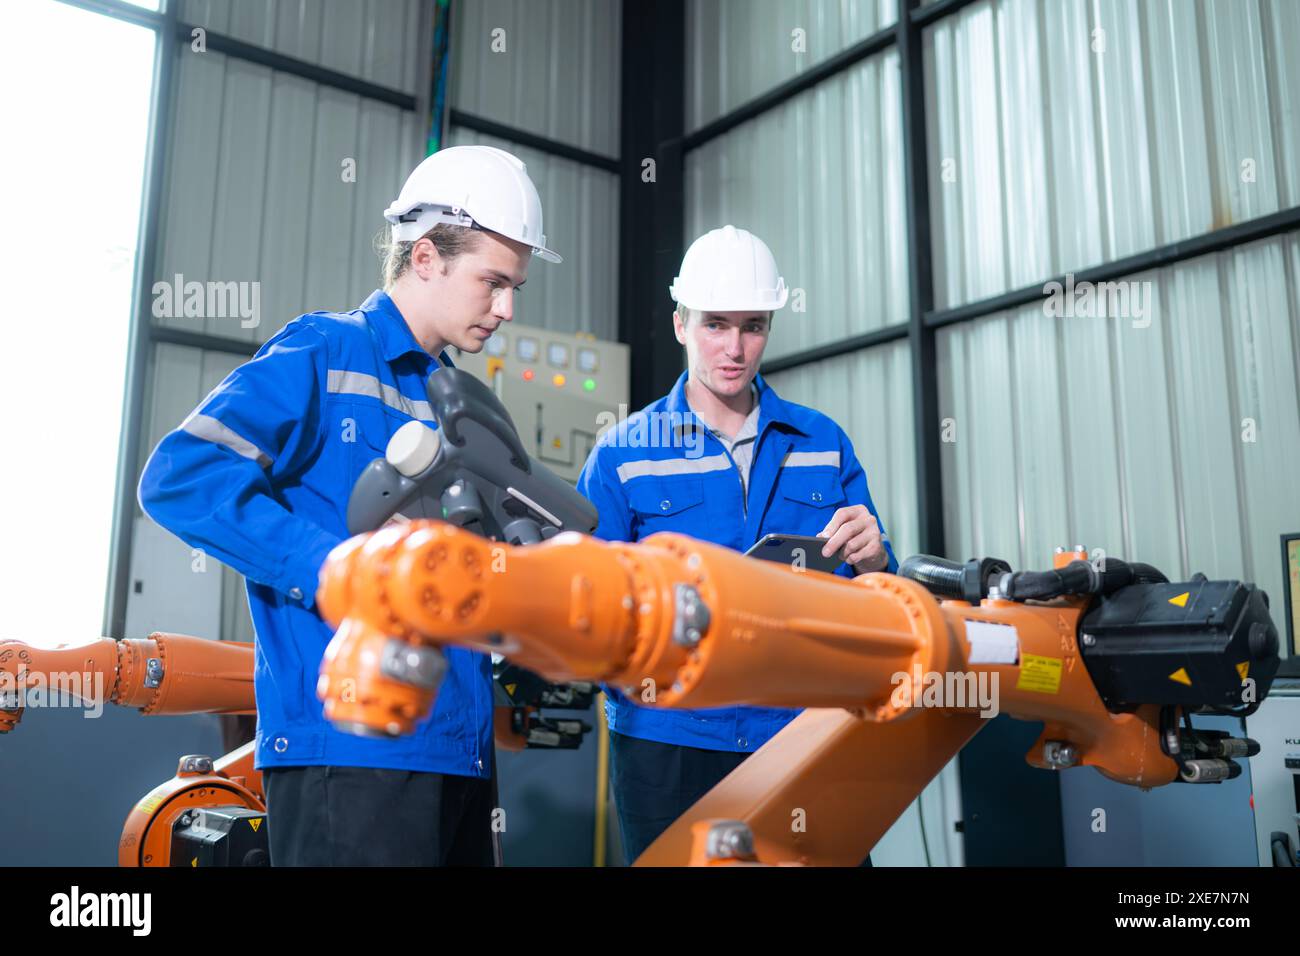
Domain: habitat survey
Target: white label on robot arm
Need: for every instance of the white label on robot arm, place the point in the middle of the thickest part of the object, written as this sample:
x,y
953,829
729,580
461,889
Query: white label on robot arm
x,y
992,643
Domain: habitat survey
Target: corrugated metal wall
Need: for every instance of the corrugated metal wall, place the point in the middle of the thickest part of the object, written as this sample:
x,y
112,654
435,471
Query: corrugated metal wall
x,y
820,179
256,188
1175,443
552,68
1170,437
869,393
739,49
179,378
376,40
1066,134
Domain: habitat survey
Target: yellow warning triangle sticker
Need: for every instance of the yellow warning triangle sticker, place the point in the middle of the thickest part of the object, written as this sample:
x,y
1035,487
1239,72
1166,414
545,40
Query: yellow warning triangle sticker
x,y
1243,669
510,689
254,822
1181,601
1180,675
194,862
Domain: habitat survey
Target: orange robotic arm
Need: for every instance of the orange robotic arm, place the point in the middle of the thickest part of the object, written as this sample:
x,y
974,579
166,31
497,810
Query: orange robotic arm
x,y
681,623
162,674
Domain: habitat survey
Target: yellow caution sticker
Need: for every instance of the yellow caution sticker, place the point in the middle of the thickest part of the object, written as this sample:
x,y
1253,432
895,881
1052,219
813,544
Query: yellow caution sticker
x,y
510,689
1181,676
254,822
150,803
1038,673
1181,600
1243,669
194,862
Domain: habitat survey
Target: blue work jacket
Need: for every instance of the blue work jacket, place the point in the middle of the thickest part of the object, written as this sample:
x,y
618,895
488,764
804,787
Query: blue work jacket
x,y
259,476
660,470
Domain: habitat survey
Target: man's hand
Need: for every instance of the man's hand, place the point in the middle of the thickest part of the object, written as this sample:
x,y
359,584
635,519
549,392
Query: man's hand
x,y
855,536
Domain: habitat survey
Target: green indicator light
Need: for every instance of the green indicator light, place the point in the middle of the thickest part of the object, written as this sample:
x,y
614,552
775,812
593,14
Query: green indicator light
x,y
589,384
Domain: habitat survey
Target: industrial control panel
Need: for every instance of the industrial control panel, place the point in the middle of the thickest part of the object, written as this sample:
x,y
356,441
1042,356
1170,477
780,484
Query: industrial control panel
x,y
560,389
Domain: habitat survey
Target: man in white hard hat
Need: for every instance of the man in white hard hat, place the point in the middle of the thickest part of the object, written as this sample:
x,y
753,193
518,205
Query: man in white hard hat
x,y
259,476
745,463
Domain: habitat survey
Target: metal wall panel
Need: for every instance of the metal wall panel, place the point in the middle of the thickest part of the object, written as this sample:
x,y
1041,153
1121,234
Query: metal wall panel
x,y
376,40
580,215
869,393
553,68
179,377
737,50
1173,443
820,179
1281,28
256,190
1066,134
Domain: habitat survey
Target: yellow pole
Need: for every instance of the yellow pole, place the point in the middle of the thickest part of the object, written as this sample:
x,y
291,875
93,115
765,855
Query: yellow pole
x,y
602,781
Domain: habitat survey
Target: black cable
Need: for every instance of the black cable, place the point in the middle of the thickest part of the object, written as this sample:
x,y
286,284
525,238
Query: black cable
x,y
1146,574
939,575
920,816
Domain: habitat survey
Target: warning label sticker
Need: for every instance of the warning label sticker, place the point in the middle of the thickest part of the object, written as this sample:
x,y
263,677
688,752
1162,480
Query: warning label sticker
x,y
1038,673
150,803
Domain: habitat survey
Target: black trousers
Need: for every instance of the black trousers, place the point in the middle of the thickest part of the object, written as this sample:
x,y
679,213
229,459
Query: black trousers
x,y
361,816
654,784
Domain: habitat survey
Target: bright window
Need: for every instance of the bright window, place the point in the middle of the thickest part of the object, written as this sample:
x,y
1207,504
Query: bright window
x,y
75,114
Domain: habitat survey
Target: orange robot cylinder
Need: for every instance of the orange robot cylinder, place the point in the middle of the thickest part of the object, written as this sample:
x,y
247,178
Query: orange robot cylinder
x,y
162,674
703,626
624,615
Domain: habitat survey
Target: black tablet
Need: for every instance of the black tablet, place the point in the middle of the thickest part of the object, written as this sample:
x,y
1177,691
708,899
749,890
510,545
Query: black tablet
x,y
794,550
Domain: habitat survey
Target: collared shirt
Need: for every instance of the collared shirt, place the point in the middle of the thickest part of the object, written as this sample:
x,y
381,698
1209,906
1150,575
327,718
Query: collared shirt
x,y
803,468
741,447
259,477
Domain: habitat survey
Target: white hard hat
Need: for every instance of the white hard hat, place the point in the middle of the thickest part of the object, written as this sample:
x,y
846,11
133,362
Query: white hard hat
x,y
464,185
729,270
